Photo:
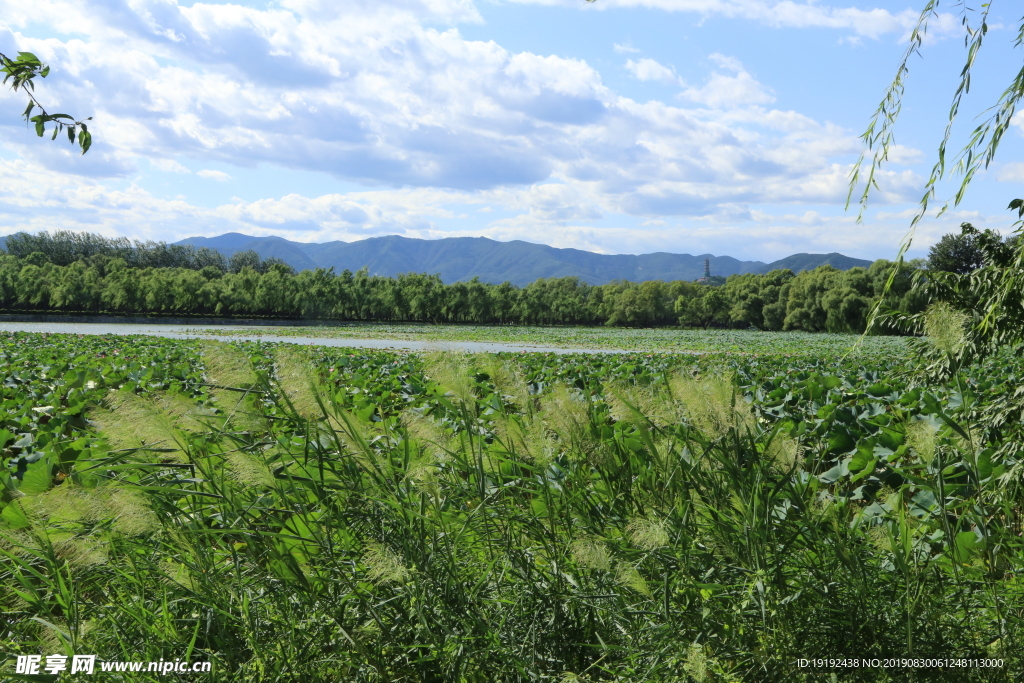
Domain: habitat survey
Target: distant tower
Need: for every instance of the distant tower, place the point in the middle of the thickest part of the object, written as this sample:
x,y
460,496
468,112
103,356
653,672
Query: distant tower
x,y
707,267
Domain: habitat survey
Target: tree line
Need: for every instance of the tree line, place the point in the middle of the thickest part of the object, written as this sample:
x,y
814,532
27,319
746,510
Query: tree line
x,y
65,247
83,273
824,299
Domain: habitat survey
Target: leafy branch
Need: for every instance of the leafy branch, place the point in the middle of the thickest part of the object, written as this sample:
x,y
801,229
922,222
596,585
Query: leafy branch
x,y
977,153
20,72
980,149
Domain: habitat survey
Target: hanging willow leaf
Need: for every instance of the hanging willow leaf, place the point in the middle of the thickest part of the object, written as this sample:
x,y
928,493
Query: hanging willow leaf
x,y
20,73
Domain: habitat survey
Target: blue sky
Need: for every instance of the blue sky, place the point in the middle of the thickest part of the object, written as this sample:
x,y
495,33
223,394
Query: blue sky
x,y
620,126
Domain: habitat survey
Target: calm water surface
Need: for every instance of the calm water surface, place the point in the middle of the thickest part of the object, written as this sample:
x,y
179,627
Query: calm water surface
x,y
265,334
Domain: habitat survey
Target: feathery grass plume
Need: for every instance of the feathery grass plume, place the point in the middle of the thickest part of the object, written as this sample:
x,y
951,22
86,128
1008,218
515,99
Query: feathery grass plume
x,y
648,533
81,551
422,474
127,420
617,407
525,437
434,441
784,453
226,365
946,327
451,370
132,516
126,510
182,412
651,403
18,542
507,379
708,403
591,553
628,576
238,413
51,635
353,434
921,437
566,413
878,537
297,381
248,469
428,435
696,663
384,566
972,444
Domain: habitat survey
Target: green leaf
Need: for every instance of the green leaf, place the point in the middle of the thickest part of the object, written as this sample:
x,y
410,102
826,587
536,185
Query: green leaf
x,y
37,478
14,517
85,139
924,503
40,128
966,544
836,473
867,469
831,382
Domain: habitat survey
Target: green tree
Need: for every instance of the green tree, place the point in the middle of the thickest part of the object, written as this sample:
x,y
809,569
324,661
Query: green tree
x,y
752,295
709,307
642,305
121,288
806,308
956,254
245,259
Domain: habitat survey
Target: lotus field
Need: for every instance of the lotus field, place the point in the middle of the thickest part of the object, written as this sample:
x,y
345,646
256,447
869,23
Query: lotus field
x,y
298,513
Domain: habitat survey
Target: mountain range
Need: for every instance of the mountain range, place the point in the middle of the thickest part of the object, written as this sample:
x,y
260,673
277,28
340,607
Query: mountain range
x,y
518,262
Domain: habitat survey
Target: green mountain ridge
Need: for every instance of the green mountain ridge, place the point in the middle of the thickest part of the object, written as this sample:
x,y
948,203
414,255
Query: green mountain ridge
x,y
463,258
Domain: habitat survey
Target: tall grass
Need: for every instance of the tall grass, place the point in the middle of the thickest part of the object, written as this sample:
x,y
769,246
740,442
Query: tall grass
x,y
488,531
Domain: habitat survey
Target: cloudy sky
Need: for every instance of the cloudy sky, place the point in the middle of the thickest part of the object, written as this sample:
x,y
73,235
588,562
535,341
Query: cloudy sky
x,y
619,126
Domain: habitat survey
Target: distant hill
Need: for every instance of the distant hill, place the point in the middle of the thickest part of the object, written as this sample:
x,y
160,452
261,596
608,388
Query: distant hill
x,y
462,258
798,262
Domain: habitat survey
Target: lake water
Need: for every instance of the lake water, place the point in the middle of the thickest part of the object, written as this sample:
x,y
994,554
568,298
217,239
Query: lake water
x,y
266,334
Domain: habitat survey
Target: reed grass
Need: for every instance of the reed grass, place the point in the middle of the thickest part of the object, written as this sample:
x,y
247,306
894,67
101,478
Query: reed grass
x,y
491,531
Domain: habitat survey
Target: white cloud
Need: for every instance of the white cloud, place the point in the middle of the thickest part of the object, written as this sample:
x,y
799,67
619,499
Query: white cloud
x,y
650,70
624,48
380,99
169,166
1012,172
871,23
559,214
726,62
900,154
729,90
436,124
219,176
